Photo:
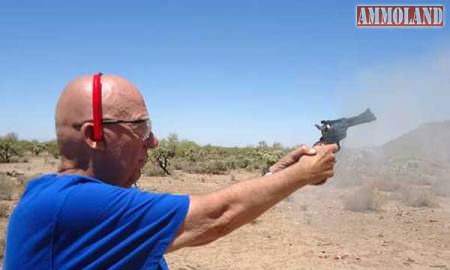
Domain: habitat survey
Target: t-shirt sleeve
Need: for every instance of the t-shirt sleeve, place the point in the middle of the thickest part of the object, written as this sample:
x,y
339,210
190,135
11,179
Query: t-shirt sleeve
x,y
121,224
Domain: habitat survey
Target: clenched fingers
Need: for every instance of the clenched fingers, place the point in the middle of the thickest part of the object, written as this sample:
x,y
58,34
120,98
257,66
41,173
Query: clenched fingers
x,y
300,151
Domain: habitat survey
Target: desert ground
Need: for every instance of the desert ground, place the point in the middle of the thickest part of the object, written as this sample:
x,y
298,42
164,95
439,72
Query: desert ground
x,y
334,226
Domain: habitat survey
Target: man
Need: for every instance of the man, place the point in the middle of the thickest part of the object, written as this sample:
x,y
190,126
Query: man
x,y
87,217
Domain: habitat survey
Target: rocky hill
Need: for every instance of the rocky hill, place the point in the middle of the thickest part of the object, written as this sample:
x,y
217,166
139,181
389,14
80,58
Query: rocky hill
x,y
421,156
430,141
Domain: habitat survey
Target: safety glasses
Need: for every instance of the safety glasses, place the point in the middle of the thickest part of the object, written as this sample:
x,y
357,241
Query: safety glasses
x,y
140,127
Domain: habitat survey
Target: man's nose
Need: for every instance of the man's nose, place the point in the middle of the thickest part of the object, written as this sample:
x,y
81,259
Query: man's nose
x,y
153,142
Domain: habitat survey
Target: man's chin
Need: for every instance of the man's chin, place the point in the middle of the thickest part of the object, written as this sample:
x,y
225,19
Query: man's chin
x,y
133,179
129,184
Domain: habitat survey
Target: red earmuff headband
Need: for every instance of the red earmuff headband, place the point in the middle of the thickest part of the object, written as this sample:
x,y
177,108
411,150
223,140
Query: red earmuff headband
x,y
97,107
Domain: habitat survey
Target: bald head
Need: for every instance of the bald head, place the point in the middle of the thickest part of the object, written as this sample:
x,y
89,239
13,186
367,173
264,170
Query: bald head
x,y
121,100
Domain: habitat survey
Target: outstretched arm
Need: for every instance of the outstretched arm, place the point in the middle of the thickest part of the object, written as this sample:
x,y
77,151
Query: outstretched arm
x,y
216,214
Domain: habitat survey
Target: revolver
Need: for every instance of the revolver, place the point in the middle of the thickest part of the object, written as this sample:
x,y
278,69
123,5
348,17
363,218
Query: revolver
x,y
333,131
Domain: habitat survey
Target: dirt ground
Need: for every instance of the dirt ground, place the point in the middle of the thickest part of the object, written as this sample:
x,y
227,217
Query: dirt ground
x,y
309,230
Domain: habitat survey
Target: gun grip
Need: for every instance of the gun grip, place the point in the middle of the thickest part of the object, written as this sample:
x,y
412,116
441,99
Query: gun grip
x,y
337,143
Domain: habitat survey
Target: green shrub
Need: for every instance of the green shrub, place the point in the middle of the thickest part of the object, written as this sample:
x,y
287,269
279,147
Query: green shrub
x,y
185,155
208,167
51,147
8,188
2,247
4,209
10,148
37,147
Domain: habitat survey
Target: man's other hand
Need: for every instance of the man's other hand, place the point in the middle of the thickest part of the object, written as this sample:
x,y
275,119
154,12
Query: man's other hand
x,y
292,158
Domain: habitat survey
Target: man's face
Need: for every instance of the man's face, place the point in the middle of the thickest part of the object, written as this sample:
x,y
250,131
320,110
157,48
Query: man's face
x,y
126,147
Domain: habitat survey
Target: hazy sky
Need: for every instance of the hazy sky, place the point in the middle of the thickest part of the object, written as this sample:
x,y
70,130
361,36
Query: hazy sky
x,y
225,72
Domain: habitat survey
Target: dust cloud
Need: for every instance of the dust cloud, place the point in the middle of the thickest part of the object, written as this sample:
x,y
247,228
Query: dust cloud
x,y
402,95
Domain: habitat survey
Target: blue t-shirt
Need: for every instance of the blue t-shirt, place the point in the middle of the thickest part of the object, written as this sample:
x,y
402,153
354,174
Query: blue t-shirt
x,y
78,222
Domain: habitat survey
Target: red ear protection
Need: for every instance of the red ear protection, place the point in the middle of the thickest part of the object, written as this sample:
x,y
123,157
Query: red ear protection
x,y
97,107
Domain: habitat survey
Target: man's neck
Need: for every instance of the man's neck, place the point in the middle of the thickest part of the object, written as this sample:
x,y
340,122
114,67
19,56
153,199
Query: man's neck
x,y
70,167
74,171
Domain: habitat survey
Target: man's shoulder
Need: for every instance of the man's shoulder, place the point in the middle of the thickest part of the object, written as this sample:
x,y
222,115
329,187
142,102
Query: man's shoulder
x,y
57,183
64,179
72,198
69,190
43,195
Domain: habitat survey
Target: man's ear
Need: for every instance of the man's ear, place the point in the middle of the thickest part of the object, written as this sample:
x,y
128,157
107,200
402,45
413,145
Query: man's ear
x,y
87,131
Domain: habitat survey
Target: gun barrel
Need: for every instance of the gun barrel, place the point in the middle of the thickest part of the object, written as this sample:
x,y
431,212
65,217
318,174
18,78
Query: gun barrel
x,y
365,117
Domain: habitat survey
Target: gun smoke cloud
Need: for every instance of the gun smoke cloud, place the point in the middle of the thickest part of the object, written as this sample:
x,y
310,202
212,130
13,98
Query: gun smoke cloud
x,y
402,96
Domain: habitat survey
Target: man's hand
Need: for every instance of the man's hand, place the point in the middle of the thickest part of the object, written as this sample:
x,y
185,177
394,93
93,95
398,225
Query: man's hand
x,y
292,158
317,168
